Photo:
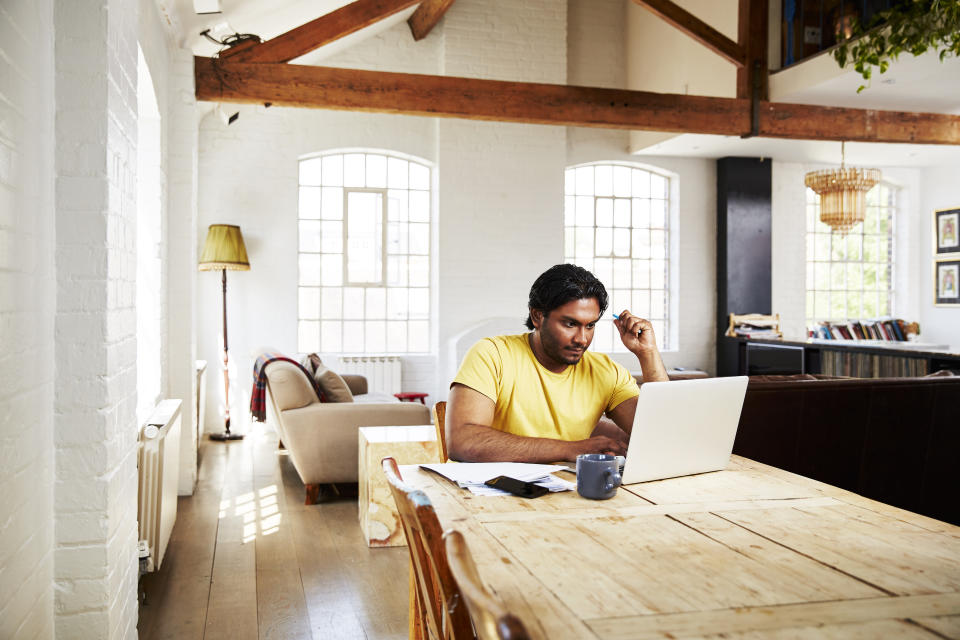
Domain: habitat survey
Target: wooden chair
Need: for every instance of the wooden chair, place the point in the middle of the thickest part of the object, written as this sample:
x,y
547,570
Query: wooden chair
x,y
437,611
490,618
439,412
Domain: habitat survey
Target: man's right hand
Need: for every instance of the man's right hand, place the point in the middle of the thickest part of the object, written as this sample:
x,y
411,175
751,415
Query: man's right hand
x,y
597,444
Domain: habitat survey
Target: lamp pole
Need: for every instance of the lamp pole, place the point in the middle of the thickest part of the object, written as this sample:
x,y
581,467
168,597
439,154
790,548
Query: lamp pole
x,y
226,435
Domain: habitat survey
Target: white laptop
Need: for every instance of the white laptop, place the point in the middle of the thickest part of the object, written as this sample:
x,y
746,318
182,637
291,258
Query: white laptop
x,y
683,427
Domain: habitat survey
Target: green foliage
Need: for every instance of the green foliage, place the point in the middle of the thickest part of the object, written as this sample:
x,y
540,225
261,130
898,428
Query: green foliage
x,y
914,26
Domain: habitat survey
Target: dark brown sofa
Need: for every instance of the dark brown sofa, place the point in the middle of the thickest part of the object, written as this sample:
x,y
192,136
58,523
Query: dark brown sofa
x,y
896,440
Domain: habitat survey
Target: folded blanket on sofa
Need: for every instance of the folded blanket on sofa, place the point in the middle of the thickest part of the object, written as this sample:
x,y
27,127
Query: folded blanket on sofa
x,y
258,397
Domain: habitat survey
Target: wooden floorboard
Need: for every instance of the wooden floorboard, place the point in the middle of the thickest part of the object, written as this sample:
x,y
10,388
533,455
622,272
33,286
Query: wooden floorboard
x,y
247,559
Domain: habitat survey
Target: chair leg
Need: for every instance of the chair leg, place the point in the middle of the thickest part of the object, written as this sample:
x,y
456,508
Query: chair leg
x,y
416,621
313,494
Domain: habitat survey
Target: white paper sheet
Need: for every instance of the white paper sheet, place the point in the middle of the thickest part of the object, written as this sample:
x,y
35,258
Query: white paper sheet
x,y
472,475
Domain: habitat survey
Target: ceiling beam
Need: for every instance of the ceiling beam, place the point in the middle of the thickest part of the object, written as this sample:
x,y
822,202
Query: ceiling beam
x,y
427,16
316,33
697,29
476,99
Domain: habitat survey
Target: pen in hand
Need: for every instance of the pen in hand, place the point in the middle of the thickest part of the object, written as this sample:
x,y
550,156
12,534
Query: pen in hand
x,y
639,331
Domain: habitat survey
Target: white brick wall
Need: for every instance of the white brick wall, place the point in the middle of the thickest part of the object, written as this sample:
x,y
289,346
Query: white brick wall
x,y
95,428
27,303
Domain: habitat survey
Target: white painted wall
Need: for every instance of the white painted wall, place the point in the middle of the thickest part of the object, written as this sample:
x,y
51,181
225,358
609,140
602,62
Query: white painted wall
x,y
939,190
27,305
95,427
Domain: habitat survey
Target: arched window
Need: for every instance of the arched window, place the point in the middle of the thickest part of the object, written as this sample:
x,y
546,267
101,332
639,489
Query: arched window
x,y
364,250
617,225
851,277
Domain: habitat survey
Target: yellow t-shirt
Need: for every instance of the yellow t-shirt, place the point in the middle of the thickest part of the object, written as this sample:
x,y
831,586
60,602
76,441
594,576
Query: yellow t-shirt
x,y
533,401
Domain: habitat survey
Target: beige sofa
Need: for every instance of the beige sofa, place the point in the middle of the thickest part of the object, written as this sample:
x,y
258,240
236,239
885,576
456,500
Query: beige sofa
x,y
322,437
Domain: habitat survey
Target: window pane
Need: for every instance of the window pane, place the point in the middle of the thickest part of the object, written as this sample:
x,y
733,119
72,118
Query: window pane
x,y
419,271
603,269
603,181
641,303
657,302
621,299
604,245
331,207
331,303
397,238
397,303
354,174
569,185
569,210
568,242
420,303
585,181
621,242
331,234
641,274
397,173
310,236
584,211
309,303
621,181
419,238
622,273
353,336
376,335
641,184
584,242
419,177
658,186
364,237
376,171
397,270
310,172
658,214
658,244
396,337
310,269
419,206
604,212
333,171
376,306
331,269
621,215
397,205
641,243
309,202
641,213
658,274
331,338
353,303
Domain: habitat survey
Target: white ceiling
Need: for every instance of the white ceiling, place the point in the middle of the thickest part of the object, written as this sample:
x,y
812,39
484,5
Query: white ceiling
x,y
911,84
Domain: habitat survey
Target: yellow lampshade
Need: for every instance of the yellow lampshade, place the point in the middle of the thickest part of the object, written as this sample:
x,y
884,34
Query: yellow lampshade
x,y
224,249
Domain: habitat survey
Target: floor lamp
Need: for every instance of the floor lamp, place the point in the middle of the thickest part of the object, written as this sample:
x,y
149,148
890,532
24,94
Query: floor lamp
x,y
224,251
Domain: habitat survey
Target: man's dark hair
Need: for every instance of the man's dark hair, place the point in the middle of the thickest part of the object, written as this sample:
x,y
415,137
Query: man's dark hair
x,y
561,284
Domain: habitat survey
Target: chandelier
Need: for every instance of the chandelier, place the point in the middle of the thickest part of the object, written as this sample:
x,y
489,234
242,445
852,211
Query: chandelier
x,y
843,193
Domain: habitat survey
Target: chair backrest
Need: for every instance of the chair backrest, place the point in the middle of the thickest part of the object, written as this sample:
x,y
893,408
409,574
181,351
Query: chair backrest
x,y
439,416
439,599
490,617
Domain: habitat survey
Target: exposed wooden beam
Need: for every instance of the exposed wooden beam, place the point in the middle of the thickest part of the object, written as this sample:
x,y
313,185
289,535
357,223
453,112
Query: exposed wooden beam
x,y
752,34
427,16
447,96
323,30
697,29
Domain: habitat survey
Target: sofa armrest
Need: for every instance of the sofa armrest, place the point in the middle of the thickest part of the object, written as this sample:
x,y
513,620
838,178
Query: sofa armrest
x,y
322,438
356,383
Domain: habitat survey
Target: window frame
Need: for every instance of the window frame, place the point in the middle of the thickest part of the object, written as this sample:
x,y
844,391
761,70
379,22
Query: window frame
x,y
428,259
668,333
892,209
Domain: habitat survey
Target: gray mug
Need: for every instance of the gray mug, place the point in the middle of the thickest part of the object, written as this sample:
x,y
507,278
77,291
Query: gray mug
x,y
597,476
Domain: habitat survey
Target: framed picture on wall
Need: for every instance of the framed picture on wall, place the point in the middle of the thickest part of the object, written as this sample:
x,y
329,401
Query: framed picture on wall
x,y
946,286
946,226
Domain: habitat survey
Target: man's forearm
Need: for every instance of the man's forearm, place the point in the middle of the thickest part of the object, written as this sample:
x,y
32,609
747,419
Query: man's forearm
x,y
652,366
476,443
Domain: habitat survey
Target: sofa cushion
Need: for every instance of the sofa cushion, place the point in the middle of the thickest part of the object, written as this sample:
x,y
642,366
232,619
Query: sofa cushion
x,y
333,386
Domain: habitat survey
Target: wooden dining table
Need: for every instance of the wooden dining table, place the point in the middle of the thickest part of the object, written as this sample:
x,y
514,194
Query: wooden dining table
x,y
748,552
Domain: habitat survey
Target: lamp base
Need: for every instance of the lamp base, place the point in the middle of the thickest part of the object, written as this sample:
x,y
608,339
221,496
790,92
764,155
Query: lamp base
x,y
226,435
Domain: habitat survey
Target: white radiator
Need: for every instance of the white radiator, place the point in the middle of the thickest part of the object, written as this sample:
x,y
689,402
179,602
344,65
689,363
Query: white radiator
x,y
382,372
158,462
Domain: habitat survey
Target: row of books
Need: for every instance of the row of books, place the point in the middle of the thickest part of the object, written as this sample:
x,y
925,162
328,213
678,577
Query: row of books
x,y
889,330
865,365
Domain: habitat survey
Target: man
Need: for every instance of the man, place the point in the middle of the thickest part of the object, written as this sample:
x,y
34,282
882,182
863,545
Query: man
x,y
539,397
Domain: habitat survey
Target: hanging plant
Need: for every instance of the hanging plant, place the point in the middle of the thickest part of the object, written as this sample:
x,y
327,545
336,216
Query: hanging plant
x,y
913,26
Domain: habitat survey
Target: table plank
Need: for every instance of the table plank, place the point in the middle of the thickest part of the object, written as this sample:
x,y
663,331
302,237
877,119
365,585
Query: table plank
x,y
791,616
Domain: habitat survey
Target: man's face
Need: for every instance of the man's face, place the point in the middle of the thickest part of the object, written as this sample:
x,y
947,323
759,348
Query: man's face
x,y
567,331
